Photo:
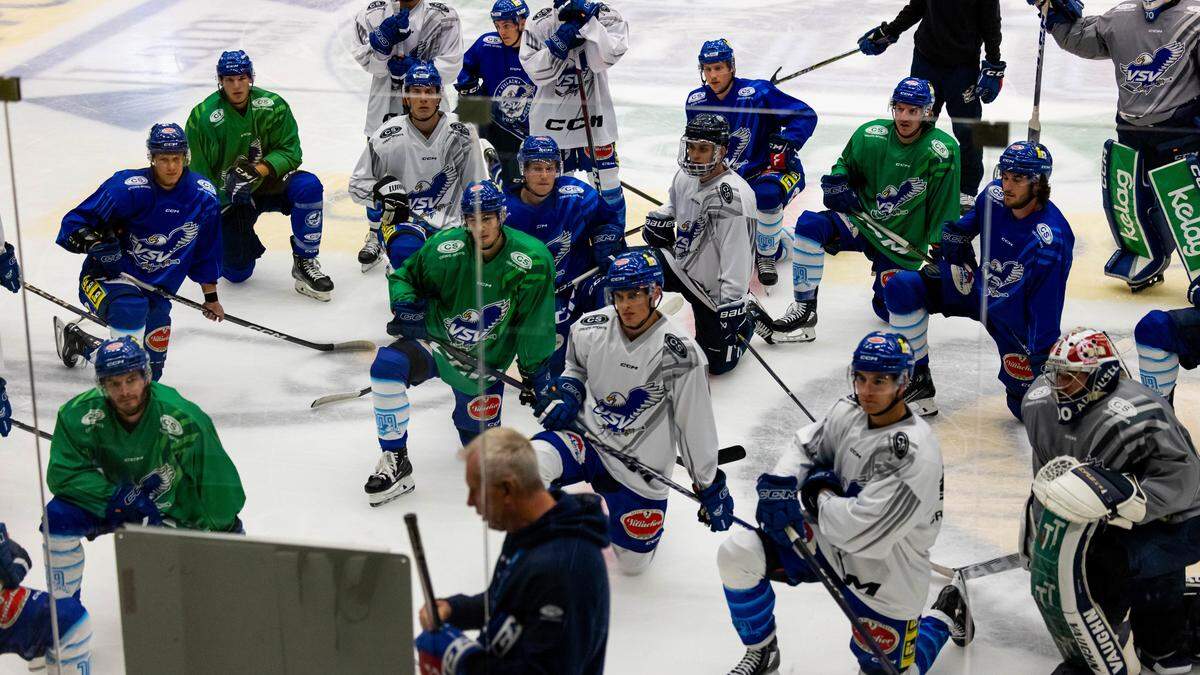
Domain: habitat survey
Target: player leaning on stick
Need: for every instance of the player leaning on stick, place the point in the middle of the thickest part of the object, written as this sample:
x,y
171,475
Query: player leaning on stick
x,y
901,173
869,480
1108,451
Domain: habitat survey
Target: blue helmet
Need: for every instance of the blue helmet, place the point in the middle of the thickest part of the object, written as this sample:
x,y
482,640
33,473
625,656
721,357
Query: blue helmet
x,y
510,10
635,268
166,139
716,51
914,91
1026,159
881,352
422,74
538,149
483,196
119,356
234,63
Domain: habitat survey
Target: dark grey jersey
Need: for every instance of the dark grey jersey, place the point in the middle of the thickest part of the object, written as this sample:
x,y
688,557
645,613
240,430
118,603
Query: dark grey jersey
x,y
1157,64
1132,430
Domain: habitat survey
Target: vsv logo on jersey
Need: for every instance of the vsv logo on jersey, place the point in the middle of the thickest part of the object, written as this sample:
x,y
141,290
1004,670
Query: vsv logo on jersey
x,y
427,195
513,98
890,201
559,247
158,251
686,234
739,142
1147,70
474,326
618,411
1002,275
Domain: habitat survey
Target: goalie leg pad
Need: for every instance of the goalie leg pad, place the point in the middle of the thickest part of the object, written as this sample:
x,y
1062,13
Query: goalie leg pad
x,y
1134,218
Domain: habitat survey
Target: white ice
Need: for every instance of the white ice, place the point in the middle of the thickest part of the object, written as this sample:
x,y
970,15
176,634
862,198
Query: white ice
x,y
96,75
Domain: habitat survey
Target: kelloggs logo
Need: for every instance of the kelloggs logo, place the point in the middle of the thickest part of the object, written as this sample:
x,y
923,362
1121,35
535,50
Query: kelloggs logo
x,y
484,407
643,524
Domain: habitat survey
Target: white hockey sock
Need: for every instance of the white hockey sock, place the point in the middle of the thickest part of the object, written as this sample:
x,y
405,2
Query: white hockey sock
x,y
66,564
138,334
632,563
808,264
75,655
391,410
770,228
914,326
1159,368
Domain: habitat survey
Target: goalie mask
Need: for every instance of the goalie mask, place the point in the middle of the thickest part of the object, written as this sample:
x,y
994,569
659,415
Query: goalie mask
x,y
1083,368
703,130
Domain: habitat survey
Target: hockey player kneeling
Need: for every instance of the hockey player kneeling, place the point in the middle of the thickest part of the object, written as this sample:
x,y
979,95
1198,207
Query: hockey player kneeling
x,y
1116,499
869,477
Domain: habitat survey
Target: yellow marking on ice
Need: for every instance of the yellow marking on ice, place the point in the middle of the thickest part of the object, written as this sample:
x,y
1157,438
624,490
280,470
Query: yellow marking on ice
x,y
24,21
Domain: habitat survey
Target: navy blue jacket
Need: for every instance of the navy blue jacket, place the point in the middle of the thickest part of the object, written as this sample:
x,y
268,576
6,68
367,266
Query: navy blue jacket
x,y
549,596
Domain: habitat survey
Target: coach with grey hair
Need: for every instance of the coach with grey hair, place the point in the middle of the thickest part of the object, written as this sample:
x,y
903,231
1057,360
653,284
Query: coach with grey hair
x,y
549,593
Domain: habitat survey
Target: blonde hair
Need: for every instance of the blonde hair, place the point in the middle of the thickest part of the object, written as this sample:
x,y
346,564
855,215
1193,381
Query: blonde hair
x,y
505,453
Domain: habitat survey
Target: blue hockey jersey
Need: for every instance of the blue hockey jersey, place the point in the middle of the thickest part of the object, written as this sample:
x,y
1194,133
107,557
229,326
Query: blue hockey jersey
x,y
164,234
755,110
504,79
578,227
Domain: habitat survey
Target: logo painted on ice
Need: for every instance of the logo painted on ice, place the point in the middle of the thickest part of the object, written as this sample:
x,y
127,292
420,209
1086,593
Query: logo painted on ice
x,y
484,408
1018,367
1002,275
473,326
453,246
618,411
159,338
158,251
513,98
643,524
885,636
890,201
137,181
1146,71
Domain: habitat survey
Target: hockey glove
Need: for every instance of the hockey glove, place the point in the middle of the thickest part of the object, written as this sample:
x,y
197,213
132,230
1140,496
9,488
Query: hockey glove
x,y
838,195
408,320
576,12
716,504
817,481
1059,11
874,41
398,66
778,507
240,181
783,155
560,410
14,561
135,503
1193,292
81,240
733,317
563,40
1085,493
392,201
5,410
659,231
445,650
390,32
991,80
10,272
472,87
106,256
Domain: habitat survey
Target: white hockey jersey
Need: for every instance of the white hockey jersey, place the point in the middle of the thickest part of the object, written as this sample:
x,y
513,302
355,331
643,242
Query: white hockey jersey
x,y
714,230
877,541
434,170
557,112
435,34
648,397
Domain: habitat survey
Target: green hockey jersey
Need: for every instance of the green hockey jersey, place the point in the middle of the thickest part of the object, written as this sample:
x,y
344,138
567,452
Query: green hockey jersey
x,y
909,189
517,313
92,453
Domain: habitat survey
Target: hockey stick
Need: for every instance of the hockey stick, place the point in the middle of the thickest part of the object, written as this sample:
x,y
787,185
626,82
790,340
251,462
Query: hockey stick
x,y
21,425
587,123
418,549
65,305
351,346
980,569
1035,122
775,79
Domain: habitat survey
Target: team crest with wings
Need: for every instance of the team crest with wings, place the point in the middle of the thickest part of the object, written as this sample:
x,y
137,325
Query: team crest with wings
x,y
427,195
888,203
1145,72
739,141
158,250
474,326
1001,275
618,411
687,233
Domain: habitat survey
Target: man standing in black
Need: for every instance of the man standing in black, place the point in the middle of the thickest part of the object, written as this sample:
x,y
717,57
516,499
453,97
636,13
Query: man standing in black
x,y
947,47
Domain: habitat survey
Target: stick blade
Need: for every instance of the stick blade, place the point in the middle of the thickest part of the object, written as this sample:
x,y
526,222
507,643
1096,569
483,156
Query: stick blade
x,y
336,398
354,346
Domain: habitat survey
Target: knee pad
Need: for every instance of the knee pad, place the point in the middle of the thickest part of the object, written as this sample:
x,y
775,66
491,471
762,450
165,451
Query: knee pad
x,y
632,563
769,193
126,310
1155,330
904,292
549,459
305,191
402,241
237,274
391,364
741,560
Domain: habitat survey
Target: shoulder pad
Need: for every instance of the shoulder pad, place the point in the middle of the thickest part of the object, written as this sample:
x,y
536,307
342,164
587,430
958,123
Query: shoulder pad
x,y
439,7
377,4
545,11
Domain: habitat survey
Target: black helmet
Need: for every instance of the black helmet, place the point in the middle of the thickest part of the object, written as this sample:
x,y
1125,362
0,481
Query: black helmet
x,y
704,128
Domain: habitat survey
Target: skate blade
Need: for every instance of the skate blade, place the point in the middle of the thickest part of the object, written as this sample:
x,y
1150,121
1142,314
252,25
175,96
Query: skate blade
x,y
800,335
303,289
925,407
402,487
367,267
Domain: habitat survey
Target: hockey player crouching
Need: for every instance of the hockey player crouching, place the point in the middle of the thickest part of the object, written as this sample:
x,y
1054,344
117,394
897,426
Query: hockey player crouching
x,y
869,478
704,233
635,381
1113,462
433,296
1167,340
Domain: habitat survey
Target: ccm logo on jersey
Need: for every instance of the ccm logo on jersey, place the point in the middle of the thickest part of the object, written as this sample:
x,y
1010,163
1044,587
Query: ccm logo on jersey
x,y
574,124
1017,365
643,524
484,408
159,338
12,601
885,636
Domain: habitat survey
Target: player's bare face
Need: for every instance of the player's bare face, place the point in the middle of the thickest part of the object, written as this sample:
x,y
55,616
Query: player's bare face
x,y
876,392
718,76
908,120
540,177
128,393
1018,189
167,169
422,102
485,227
634,307
236,88
510,31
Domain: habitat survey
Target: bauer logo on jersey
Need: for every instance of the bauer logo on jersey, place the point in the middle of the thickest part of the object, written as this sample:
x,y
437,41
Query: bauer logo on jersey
x,y
513,98
876,130
473,326
570,190
696,97
618,411
452,246
1148,70
158,250
890,202
217,116
1001,276
643,524
137,181
745,92
91,417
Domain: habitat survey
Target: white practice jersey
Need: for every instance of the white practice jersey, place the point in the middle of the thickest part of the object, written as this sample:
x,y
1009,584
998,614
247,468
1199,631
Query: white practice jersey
x,y
557,112
434,34
714,233
434,170
648,397
878,541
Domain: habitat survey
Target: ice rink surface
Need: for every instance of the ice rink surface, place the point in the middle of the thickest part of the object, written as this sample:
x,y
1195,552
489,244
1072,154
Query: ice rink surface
x,y
97,74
